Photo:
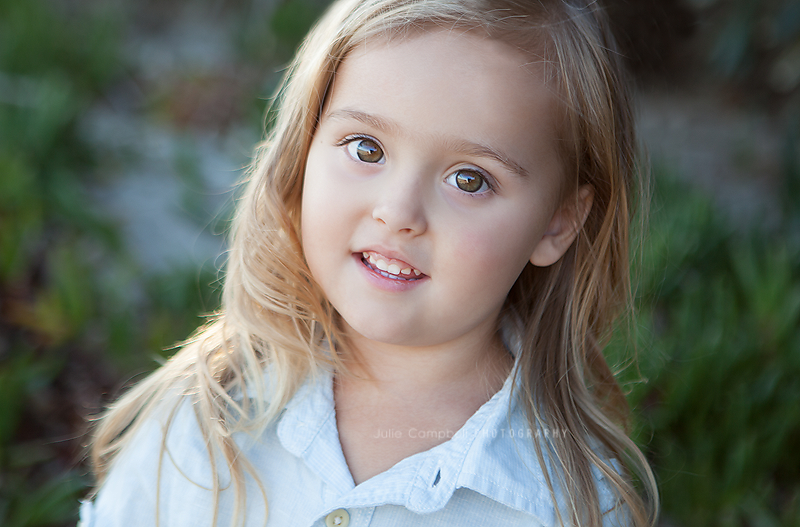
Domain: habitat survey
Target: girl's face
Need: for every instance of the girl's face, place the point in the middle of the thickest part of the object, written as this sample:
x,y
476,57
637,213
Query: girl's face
x,y
431,181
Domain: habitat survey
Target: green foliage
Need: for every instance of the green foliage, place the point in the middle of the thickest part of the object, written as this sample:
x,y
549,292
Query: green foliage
x,y
755,41
177,301
77,45
49,504
276,33
790,188
292,19
66,311
721,355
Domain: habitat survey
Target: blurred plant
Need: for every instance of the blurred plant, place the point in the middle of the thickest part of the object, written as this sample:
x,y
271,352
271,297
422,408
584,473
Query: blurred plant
x,y
277,31
754,41
47,295
65,280
790,184
721,355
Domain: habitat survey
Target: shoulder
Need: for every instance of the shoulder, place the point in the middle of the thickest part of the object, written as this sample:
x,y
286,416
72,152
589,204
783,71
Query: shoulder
x,y
165,456
168,469
505,465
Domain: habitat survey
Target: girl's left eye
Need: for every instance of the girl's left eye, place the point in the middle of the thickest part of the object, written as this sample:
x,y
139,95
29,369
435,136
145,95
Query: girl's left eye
x,y
470,181
365,149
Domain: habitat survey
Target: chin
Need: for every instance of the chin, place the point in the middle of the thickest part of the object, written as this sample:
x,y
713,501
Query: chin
x,y
388,332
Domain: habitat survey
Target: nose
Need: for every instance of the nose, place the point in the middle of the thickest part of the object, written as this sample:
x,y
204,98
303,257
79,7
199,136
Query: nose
x,y
400,205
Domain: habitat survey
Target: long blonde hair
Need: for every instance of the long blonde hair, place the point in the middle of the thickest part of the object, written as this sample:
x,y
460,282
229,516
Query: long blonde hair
x,y
274,316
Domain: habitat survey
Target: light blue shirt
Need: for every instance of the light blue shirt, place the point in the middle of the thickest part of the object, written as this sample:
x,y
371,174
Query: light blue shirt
x,y
487,474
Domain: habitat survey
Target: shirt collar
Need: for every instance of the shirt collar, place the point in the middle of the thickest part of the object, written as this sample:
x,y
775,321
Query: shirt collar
x,y
492,454
307,429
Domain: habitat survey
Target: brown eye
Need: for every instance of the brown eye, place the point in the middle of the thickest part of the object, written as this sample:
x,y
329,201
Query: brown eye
x,y
469,181
366,150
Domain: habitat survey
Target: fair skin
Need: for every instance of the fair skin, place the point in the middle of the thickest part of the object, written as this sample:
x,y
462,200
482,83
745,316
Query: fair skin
x,y
432,180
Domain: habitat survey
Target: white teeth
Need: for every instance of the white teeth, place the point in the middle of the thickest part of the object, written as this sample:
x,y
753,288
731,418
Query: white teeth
x,y
388,270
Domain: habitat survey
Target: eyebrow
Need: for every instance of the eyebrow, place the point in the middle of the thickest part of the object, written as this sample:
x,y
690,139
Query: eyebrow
x,y
461,146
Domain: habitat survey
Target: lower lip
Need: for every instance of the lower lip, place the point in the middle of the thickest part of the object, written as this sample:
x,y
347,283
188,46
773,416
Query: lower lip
x,y
384,283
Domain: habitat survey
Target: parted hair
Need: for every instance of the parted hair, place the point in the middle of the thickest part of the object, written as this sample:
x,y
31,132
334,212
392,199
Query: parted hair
x,y
274,316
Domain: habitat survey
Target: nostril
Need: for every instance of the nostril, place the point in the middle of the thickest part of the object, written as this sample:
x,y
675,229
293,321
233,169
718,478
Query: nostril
x,y
408,219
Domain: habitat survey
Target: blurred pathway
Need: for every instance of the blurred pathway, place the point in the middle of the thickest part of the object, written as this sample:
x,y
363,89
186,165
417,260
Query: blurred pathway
x,y
732,154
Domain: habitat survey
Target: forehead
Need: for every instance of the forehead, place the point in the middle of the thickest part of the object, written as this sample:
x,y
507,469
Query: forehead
x,y
450,85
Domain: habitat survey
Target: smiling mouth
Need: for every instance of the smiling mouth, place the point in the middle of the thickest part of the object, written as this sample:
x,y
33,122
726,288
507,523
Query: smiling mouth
x,y
390,270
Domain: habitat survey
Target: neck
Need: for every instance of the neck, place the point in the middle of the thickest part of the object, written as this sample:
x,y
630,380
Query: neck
x,y
475,367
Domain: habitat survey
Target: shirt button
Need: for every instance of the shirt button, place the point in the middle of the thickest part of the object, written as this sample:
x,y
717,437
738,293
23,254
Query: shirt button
x,y
338,518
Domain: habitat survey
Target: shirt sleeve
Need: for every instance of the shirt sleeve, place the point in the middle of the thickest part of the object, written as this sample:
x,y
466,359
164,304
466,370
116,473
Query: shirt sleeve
x,y
615,512
146,487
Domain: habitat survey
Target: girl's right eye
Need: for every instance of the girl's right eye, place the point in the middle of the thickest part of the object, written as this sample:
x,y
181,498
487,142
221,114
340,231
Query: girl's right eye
x,y
365,149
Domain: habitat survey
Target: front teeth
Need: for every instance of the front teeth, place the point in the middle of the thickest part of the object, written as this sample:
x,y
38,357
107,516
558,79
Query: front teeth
x,y
392,269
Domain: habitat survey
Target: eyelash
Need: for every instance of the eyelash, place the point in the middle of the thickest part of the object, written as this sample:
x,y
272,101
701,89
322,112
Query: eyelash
x,y
352,137
490,184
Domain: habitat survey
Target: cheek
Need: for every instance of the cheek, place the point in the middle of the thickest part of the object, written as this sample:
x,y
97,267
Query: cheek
x,y
329,183
319,194
500,238
494,254
315,208
331,208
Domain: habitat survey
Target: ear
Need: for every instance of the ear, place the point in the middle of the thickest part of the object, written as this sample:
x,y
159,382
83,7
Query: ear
x,y
565,225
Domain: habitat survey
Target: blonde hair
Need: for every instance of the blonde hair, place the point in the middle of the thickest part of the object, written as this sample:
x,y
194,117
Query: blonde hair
x,y
274,316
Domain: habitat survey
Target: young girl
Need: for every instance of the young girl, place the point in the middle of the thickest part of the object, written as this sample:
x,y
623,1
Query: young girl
x,y
431,247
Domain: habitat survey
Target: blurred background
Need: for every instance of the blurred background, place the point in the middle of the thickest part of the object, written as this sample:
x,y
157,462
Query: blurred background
x,y
124,126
